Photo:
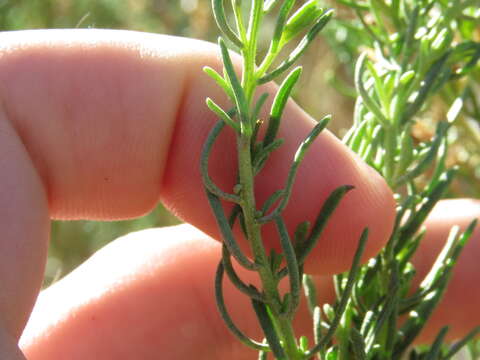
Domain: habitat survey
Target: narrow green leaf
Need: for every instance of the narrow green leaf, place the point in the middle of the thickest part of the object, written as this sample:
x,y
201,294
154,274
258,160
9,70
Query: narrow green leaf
x,y
268,329
358,135
429,157
204,161
372,106
279,103
407,77
222,309
317,324
439,265
329,312
440,165
390,302
460,344
332,353
227,233
280,25
220,81
442,40
371,149
455,109
396,12
221,20
367,323
358,344
292,266
242,223
392,325
431,79
406,152
269,5
256,14
321,221
303,343
299,155
448,256
310,292
380,84
408,48
238,92
302,19
417,319
300,49
248,290
411,247
262,355
234,214
345,298
272,199
440,271
300,235
414,223
222,114
435,350
467,49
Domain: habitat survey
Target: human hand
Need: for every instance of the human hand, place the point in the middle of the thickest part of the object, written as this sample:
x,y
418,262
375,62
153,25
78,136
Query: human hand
x,y
103,124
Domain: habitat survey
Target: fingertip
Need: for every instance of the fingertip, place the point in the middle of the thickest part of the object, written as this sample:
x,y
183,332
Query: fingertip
x,y
145,294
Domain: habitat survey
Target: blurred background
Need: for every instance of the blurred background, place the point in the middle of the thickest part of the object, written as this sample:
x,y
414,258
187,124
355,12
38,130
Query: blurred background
x,y
326,88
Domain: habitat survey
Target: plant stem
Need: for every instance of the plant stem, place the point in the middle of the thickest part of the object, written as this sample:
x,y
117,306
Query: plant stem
x,y
269,282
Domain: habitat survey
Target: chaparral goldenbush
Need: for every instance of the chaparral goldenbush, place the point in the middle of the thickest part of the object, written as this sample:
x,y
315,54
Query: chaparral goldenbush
x,y
412,54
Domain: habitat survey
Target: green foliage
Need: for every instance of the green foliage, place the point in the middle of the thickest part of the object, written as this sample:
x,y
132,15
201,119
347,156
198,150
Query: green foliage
x,y
274,311
413,58
412,36
413,53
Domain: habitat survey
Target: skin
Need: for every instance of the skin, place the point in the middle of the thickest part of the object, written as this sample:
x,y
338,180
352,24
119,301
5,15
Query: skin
x,y
103,125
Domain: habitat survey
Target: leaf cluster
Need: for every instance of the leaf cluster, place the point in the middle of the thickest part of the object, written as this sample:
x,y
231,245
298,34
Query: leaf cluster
x,y
408,42
274,310
412,54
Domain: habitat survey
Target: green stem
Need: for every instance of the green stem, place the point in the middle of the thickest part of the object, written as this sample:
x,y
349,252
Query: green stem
x,y
269,282
273,300
343,333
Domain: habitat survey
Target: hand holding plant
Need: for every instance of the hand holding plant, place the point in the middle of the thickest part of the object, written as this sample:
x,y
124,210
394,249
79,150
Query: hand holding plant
x,y
153,287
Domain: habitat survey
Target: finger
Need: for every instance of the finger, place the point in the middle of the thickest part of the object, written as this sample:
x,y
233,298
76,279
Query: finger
x,y
8,347
24,228
104,123
148,295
